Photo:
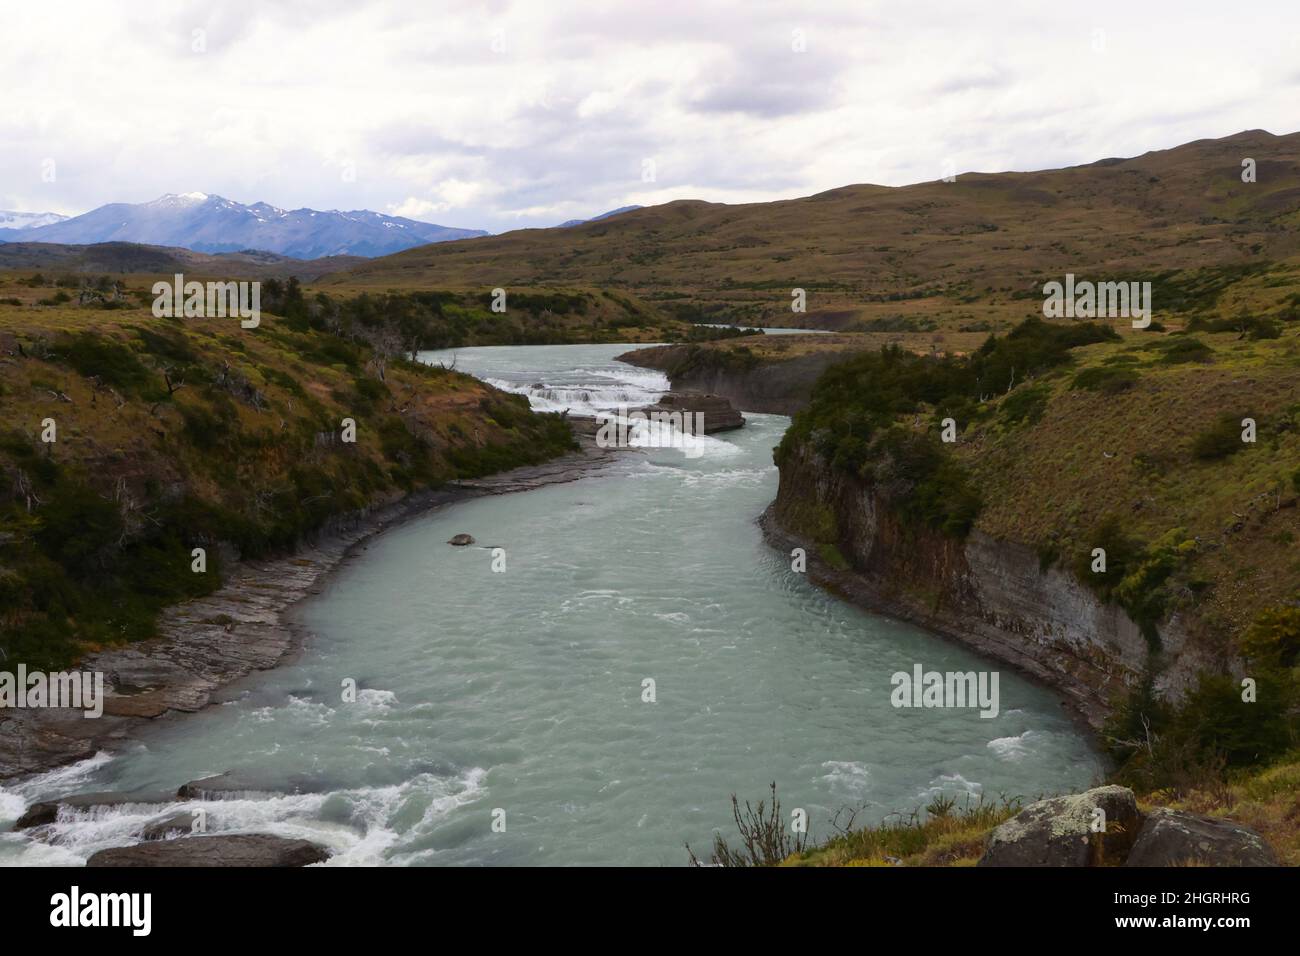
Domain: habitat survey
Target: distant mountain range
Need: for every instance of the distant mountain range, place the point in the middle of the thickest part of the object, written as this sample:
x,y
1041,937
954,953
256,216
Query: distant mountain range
x,y
213,224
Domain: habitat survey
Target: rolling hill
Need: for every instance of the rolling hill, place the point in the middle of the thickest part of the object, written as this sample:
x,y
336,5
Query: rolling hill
x,y
973,249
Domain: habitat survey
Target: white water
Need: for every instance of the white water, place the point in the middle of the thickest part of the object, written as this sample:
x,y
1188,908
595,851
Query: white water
x,y
523,690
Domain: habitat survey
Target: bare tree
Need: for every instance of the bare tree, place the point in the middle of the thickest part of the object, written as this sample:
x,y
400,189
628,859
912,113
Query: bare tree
x,y
764,838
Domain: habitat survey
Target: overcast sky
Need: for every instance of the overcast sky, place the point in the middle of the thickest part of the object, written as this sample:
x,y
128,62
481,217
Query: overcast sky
x,y
505,114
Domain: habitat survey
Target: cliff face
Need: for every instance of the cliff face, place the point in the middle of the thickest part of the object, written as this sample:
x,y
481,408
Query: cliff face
x,y
987,594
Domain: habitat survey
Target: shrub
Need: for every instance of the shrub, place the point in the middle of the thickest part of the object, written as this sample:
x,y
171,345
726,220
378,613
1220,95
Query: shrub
x,y
100,356
1273,640
1135,576
924,483
1211,733
1026,404
1220,440
1109,380
1186,350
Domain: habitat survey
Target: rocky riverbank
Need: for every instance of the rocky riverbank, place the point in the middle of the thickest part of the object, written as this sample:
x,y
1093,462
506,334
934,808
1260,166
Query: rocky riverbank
x,y
1106,827
207,644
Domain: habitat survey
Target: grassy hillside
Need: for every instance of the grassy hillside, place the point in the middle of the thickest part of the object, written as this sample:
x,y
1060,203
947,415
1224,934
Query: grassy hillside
x,y
175,434
937,255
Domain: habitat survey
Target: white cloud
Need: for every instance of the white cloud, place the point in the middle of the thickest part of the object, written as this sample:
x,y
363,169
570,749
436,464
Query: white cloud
x,y
406,106
447,195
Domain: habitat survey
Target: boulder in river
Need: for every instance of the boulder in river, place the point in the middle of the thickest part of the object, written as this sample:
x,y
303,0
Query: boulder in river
x,y
38,815
716,413
47,812
1173,838
1063,831
247,849
224,786
461,540
177,824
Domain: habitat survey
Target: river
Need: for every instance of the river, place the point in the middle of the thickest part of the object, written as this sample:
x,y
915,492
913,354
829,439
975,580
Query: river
x,y
520,694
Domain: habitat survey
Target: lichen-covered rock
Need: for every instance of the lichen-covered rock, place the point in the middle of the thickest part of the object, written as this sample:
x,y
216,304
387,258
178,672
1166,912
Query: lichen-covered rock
x,y
1173,838
1064,831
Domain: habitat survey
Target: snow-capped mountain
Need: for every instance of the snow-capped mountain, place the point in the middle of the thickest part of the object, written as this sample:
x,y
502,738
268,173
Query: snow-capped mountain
x,y
13,221
207,223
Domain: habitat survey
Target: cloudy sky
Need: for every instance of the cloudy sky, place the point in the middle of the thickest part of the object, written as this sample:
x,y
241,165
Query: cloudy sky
x,y
498,115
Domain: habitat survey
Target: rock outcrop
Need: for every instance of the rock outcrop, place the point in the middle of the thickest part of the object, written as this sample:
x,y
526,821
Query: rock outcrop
x,y
1094,828
716,413
253,849
1173,838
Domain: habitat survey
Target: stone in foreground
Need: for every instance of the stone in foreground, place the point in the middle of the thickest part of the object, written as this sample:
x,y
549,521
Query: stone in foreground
x,y
461,540
252,849
1060,831
1172,838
